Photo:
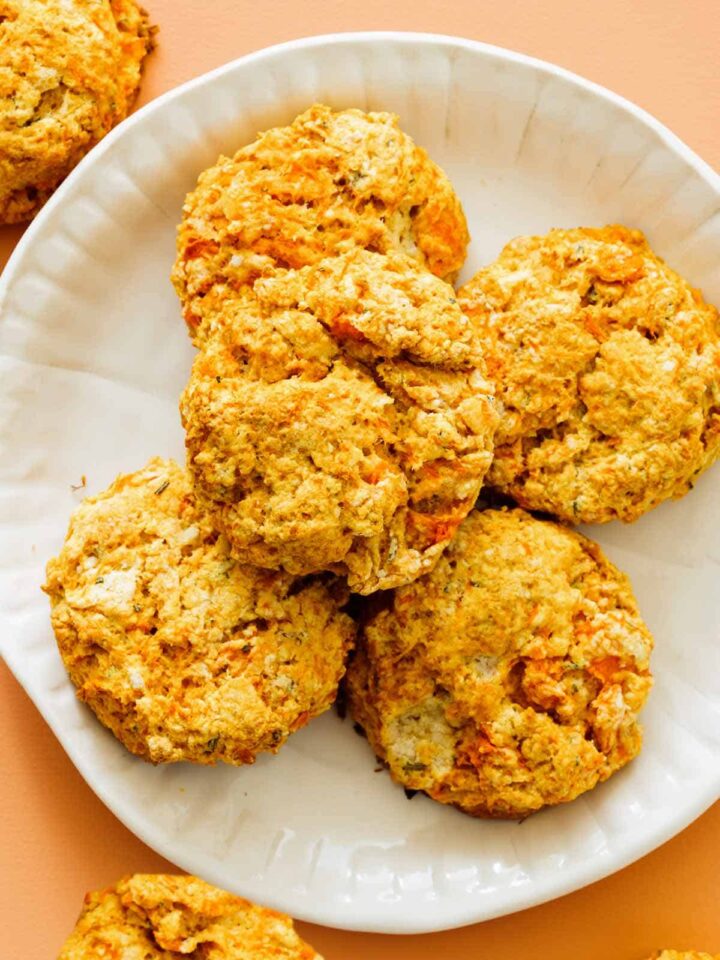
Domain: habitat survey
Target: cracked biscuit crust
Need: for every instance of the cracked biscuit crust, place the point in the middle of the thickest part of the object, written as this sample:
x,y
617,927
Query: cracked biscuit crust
x,y
510,677
69,71
607,364
165,917
338,418
328,182
183,651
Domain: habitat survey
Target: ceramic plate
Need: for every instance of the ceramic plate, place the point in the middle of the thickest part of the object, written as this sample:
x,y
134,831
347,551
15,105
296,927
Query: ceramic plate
x,y
93,356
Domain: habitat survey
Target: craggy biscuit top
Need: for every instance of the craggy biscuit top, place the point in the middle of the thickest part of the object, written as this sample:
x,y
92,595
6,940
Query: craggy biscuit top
x,y
607,364
338,418
183,651
163,917
511,676
69,71
326,183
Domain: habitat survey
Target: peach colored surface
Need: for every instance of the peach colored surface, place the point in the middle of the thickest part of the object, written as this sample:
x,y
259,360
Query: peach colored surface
x,y
56,838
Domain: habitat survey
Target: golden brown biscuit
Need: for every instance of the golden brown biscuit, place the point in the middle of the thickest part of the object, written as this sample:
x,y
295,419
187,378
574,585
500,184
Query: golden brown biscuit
x,y
339,419
183,651
326,183
608,366
161,917
69,71
511,676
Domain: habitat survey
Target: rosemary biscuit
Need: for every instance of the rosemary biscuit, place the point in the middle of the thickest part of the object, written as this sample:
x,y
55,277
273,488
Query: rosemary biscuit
x,y
183,650
164,917
607,367
510,678
326,183
69,71
338,418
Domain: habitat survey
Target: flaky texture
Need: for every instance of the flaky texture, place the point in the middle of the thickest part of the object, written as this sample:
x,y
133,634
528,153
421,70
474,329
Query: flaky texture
x,y
338,418
326,183
162,917
608,366
511,676
183,651
69,71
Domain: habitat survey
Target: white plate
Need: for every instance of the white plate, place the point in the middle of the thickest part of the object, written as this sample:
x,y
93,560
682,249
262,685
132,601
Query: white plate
x,y
93,355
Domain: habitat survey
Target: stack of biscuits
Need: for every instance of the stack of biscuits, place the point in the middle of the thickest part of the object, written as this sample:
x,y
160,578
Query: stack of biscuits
x,y
344,411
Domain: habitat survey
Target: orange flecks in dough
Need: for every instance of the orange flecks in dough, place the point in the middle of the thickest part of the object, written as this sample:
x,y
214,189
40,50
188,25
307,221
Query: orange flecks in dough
x,y
329,182
69,71
474,684
162,917
337,417
606,367
181,648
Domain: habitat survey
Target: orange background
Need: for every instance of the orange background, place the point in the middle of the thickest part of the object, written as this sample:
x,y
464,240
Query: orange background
x,y
57,840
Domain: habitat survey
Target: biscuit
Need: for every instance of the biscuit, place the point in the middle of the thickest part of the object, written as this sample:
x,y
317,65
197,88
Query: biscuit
x,y
69,71
338,418
184,651
607,365
326,183
510,677
162,917
682,955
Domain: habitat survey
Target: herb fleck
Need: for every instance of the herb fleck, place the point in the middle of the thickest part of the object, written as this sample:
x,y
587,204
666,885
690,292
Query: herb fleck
x,y
162,488
591,296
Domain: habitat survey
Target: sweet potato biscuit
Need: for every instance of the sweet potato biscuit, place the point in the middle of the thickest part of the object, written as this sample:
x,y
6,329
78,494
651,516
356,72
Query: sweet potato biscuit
x,y
326,183
338,418
161,917
183,651
511,676
608,366
69,71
